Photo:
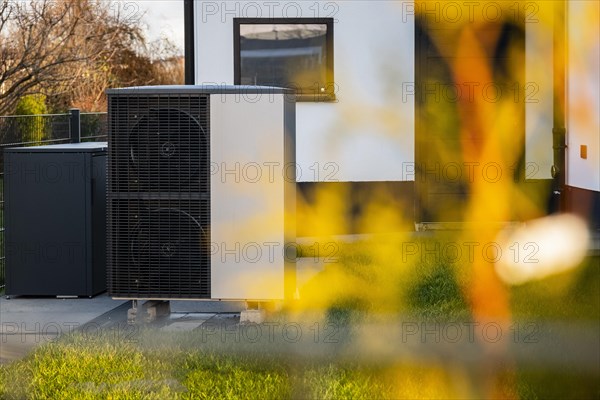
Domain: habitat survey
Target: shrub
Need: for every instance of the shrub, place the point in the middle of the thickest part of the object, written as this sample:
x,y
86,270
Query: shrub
x,y
31,126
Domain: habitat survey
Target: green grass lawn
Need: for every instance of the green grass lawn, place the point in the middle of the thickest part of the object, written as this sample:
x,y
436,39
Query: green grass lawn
x,y
220,365
103,368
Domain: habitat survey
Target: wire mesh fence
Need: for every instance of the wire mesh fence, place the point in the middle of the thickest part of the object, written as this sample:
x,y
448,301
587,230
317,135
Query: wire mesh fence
x,y
93,127
44,129
33,130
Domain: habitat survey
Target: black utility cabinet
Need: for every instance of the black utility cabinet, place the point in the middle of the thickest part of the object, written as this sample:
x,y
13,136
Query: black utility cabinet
x,y
55,219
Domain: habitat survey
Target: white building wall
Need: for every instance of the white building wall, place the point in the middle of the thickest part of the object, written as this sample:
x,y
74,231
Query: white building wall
x,y
583,98
368,134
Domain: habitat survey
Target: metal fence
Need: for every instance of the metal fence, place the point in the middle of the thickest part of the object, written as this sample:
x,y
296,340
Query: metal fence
x,y
44,129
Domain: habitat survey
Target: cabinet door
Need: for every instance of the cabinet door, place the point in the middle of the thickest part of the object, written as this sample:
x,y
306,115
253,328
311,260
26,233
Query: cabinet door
x,y
97,279
46,217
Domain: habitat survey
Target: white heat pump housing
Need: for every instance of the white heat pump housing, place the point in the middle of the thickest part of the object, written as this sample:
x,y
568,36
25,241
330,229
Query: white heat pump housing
x,y
201,193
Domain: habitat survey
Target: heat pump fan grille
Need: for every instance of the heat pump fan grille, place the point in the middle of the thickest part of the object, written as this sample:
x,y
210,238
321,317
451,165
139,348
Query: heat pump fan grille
x,y
159,248
159,196
161,143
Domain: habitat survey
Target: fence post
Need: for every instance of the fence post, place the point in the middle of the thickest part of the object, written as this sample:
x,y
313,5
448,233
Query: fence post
x,y
75,125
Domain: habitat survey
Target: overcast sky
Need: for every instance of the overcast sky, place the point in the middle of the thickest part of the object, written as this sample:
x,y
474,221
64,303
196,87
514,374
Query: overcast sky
x,y
163,17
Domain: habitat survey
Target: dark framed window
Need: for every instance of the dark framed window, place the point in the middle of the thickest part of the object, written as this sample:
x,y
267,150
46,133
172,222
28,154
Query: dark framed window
x,y
295,53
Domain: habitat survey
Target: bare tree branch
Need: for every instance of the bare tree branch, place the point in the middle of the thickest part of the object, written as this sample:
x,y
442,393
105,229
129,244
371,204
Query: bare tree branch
x,y
72,50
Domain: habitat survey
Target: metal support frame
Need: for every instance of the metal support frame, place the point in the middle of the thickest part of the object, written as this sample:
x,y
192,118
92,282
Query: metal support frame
x,y
559,131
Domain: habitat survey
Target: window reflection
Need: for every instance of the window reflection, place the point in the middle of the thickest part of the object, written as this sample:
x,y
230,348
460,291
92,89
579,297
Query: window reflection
x,y
286,55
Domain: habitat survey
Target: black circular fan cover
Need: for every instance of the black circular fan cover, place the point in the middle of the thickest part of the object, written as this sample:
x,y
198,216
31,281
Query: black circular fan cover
x,y
165,149
166,238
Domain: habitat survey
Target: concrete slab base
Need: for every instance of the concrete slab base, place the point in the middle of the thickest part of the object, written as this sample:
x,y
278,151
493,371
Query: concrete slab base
x,y
253,316
149,311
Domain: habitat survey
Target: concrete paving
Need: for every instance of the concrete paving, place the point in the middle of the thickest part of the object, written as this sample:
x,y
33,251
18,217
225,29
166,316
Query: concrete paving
x,y
26,322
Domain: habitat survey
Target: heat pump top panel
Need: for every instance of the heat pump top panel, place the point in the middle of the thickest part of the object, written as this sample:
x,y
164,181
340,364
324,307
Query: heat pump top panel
x,y
88,147
200,89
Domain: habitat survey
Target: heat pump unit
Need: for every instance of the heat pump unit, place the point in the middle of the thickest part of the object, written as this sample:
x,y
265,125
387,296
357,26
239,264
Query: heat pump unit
x,y
201,193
